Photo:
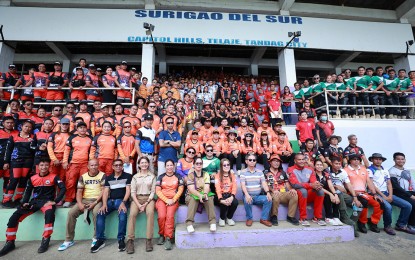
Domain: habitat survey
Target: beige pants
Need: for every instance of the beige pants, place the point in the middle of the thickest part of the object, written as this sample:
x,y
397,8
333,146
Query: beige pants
x,y
74,213
284,198
134,211
192,205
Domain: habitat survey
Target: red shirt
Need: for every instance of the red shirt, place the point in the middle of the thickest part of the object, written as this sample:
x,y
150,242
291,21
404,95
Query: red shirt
x,y
306,130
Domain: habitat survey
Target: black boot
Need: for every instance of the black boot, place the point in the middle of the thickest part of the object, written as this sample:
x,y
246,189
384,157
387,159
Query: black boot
x,y
362,227
373,227
8,247
44,245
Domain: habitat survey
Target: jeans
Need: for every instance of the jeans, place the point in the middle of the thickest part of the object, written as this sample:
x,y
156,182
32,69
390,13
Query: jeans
x,y
392,100
112,205
258,200
287,118
406,209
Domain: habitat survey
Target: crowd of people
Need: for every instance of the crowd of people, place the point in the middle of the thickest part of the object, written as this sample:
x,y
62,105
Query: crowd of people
x,y
186,140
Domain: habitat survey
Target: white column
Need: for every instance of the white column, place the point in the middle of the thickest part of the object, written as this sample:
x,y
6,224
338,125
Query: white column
x,y
286,67
6,57
66,65
148,59
407,63
254,70
162,67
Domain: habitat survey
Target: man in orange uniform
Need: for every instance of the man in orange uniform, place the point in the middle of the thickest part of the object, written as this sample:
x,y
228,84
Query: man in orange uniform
x,y
195,143
216,143
133,119
104,149
75,160
40,83
56,79
126,144
360,180
88,118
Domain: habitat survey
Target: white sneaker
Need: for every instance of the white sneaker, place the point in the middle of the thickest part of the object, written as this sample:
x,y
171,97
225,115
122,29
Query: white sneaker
x,y
230,222
94,241
190,229
331,221
221,222
304,222
212,227
66,204
65,245
338,222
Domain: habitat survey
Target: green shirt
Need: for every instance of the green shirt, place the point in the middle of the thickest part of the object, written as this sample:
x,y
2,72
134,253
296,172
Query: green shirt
x,y
391,84
404,84
341,86
211,166
298,94
362,82
376,80
318,88
307,91
330,86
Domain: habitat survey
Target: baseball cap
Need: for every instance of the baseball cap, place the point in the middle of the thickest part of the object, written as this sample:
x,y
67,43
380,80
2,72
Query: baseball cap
x,y
275,156
81,124
91,65
215,131
133,68
64,121
99,69
57,63
123,62
12,66
148,116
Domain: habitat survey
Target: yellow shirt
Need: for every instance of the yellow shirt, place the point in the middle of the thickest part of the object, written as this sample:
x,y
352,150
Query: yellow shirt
x,y
92,186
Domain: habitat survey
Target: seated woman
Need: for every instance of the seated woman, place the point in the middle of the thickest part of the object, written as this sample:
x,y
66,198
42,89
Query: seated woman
x,y
232,150
265,149
182,169
225,183
169,188
331,199
248,145
198,195
143,187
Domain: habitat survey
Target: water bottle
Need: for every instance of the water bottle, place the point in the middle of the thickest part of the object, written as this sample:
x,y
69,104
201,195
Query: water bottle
x,y
355,214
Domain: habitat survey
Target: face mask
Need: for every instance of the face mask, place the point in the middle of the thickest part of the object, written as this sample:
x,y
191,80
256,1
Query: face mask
x,y
323,118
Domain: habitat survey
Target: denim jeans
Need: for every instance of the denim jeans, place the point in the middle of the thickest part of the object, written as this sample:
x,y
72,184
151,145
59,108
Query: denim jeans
x,y
405,207
258,200
112,205
287,118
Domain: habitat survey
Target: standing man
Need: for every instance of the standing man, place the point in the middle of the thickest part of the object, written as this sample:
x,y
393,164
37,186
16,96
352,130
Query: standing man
x,y
170,142
403,187
383,186
5,133
352,148
43,185
274,107
88,199
252,181
40,79
304,130
309,189
56,79
145,141
115,198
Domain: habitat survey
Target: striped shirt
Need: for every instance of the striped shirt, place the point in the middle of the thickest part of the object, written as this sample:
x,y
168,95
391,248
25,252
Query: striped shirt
x,y
118,186
252,180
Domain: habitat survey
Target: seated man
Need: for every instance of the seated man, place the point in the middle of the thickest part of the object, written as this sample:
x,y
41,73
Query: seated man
x,y
43,185
304,180
115,198
359,178
383,186
282,192
88,198
252,180
403,187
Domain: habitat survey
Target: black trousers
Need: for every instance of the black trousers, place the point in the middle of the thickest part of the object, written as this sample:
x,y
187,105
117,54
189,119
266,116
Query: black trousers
x,y
233,160
411,220
226,212
331,209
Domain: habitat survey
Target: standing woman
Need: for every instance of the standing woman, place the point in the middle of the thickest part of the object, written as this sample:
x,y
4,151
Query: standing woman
x,y
265,149
19,158
198,187
331,199
110,82
225,185
169,188
143,188
286,106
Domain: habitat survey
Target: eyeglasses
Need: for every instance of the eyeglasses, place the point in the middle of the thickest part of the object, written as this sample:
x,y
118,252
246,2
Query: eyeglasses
x,y
191,152
198,163
226,165
117,165
210,150
151,106
169,123
251,160
57,110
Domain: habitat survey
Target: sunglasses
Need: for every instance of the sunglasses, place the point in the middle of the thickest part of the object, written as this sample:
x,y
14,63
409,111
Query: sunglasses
x,y
251,160
152,106
169,123
127,126
57,110
210,150
191,152
198,163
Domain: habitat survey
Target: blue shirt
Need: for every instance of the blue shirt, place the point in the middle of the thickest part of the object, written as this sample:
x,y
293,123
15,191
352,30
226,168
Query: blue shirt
x,y
147,137
168,152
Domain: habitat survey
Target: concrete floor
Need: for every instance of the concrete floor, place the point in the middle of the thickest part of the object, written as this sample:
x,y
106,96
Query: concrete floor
x,y
368,246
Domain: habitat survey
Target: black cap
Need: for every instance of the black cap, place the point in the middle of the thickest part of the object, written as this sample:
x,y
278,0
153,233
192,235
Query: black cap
x,y
81,124
83,102
91,65
12,66
148,116
57,63
99,69
79,68
124,62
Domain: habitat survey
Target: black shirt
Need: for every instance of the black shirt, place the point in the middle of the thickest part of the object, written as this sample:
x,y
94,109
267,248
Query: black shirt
x,y
118,185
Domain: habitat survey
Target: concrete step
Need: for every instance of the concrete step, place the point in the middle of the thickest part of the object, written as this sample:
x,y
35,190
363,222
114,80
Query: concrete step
x,y
239,215
259,235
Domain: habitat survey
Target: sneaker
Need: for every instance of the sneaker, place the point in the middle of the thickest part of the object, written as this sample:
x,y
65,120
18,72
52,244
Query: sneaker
x,y
121,245
98,245
321,222
94,241
190,229
167,244
230,222
66,204
274,220
331,221
160,241
304,223
221,222
212,228
44,245
389,231
338,222
130,246
362,227
7,248
9,204
65,245
293,221
405,229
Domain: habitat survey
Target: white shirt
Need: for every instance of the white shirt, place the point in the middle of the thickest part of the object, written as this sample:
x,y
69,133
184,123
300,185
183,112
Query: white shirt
x,y
340,178
404,177
380,178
